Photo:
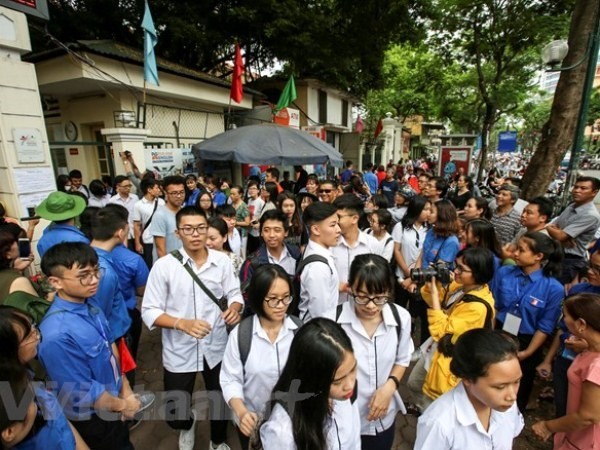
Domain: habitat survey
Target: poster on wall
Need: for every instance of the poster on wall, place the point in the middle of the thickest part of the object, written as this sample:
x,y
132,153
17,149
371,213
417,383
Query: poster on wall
x,y
169,161
29,145
453,158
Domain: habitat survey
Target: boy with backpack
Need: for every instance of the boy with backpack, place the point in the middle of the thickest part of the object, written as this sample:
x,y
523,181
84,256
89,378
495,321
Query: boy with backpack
x,y
319,285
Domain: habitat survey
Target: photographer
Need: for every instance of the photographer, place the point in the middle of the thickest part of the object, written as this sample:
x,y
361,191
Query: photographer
x,y
465,304
441,246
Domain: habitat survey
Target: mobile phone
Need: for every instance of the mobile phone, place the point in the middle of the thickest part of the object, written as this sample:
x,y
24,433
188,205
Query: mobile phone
x,y
24,248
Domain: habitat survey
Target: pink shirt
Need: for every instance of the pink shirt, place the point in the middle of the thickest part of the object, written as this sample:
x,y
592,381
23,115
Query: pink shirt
x,y
585,367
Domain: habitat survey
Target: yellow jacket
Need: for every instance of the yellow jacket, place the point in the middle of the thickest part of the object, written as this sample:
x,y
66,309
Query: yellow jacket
x,y
459,317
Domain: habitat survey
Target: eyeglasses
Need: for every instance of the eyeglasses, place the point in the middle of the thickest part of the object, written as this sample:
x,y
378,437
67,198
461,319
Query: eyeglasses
x,y
363,300
188,230
325,191
125,186
176,194
274,302
461,269
86,279
32,336
594,268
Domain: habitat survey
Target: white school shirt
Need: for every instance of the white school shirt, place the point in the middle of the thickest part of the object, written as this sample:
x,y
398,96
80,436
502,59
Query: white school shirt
x,y
342,430
376,357
235,242
255,206
319,287
128,203
286,261
386,245
408,244
142,211
452,423
263,366
343,255
171,290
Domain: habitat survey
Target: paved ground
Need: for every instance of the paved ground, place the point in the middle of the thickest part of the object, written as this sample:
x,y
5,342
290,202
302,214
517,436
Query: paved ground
x,y
155,434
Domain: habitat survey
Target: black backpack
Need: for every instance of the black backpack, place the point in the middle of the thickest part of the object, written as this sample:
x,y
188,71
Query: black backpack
x,y
245,330
296,281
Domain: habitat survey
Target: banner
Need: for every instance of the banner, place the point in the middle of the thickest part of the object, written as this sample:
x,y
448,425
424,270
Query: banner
x,y
507,141
169,161
453,158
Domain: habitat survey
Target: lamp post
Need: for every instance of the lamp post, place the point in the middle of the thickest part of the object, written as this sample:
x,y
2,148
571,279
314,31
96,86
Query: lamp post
x,y
553,54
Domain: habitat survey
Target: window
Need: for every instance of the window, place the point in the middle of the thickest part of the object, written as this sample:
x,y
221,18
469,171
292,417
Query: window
x,y
322,107
345,113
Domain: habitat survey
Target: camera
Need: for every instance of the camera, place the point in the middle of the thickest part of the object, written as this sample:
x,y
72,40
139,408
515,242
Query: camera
x,y
440,271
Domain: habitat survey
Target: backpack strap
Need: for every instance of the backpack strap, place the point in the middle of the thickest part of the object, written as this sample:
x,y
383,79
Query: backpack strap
x,y
245,329
489,315
310,259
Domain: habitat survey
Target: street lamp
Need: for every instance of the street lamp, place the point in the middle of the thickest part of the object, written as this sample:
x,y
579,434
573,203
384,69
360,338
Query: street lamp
x,y
553,55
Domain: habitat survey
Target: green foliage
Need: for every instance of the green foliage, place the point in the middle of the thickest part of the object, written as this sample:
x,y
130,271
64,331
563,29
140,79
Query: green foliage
x,y
338,41
412,75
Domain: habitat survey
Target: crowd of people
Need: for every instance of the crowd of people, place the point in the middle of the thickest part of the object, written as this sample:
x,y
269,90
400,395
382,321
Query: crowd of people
x,y
302,304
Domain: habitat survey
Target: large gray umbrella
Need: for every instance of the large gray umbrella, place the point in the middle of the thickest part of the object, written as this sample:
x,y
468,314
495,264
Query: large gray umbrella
x,y
268,144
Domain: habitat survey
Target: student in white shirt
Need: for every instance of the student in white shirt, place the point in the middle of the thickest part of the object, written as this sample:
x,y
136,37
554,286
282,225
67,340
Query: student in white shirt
x,y
143,214
311,406
380,221
194,332
353,241
125,198
382,345
481,411
227,213
319,285
255,206
247,386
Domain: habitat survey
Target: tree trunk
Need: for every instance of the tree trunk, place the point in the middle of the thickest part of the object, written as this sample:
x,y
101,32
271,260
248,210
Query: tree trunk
x,y
558,132
488,123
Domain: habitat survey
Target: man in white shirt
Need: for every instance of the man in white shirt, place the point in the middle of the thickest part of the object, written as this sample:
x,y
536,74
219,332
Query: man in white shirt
x,y
353,241
194,332
125,198
143,214
255,206
319,285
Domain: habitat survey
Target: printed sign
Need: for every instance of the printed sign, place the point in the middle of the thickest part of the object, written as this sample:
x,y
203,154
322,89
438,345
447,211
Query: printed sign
x,y
452,159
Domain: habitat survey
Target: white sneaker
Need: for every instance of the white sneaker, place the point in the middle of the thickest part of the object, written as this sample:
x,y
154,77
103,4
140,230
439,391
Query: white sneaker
x,y
221,446
187,438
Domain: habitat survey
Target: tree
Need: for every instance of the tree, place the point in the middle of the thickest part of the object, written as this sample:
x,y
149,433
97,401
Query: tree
x,y
411,75
558,132
496,39
337,41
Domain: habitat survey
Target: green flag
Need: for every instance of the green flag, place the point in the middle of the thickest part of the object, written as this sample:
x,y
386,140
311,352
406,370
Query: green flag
x,y
288,95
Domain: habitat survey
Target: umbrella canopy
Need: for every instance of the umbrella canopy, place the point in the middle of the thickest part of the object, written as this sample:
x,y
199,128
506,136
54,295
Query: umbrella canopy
x,y
268,144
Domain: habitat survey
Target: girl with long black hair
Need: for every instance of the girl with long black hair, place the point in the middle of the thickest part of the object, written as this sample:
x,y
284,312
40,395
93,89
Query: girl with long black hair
x,y
528,300
311,406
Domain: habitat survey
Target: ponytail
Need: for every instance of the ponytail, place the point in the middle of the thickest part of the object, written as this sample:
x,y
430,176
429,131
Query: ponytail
x,y
550,248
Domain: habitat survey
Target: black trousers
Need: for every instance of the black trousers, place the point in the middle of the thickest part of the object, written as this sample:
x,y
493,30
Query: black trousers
x,y
528,368
101,434
132,338
181,419
381,441
148,259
